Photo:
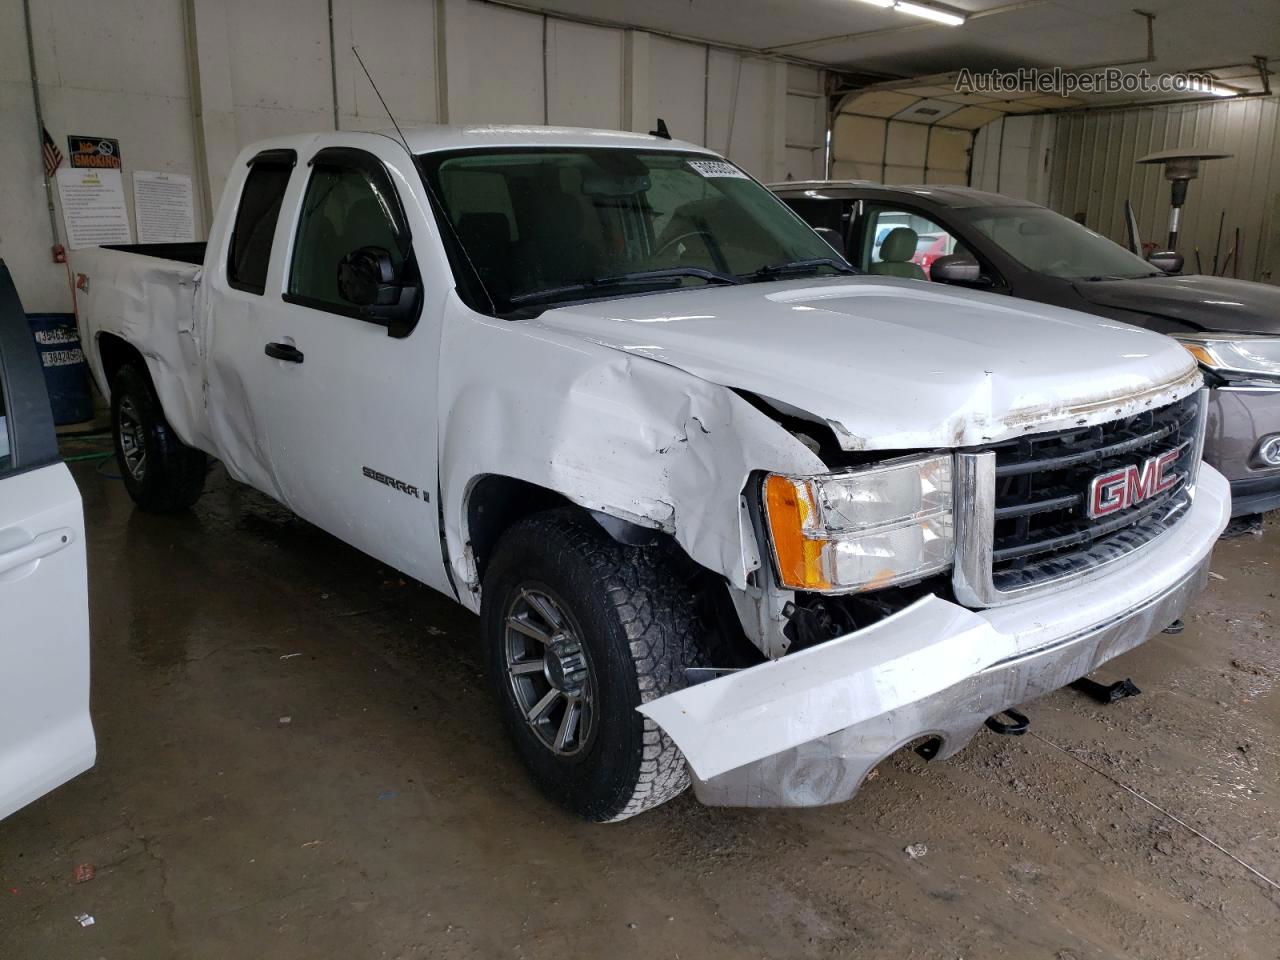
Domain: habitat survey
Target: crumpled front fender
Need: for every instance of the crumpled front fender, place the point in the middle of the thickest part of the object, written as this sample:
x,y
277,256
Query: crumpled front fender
x,y
623,435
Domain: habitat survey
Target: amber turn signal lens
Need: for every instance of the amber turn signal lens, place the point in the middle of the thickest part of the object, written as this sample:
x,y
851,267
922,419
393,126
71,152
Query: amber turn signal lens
x,y
1201,354
799,558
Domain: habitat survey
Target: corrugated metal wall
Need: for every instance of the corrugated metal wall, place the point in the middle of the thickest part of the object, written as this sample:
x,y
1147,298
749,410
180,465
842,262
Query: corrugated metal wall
x,y
1094,171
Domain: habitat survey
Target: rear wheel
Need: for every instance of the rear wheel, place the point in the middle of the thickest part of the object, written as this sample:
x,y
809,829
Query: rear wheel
x,y
580,630
161,473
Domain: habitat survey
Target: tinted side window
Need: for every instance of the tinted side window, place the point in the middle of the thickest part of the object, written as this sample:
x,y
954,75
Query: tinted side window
x,y
345,208
255,225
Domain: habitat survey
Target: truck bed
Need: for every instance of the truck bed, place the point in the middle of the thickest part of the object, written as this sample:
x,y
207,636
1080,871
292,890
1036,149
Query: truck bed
x,y
145,295
182,252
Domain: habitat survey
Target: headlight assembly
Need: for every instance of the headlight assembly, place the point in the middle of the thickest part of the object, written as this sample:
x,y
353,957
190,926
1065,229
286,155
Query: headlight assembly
x,y
862,529
1237,355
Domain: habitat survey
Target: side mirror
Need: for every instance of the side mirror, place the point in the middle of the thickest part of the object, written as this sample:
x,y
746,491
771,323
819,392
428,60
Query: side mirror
x,y
1168,261
959,269
834,240
368,278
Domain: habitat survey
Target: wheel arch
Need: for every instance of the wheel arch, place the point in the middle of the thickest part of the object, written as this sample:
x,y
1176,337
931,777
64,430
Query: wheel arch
x,y
114,352
493,503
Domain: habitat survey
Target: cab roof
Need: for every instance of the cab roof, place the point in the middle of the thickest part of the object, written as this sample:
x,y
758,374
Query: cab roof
x,y
435,138
438,138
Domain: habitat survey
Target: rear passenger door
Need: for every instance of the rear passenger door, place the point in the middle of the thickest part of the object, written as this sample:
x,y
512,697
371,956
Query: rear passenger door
x,y
46,737
240,377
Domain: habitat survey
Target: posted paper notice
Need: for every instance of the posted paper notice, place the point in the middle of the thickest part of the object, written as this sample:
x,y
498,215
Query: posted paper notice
x,y
163,207
93,207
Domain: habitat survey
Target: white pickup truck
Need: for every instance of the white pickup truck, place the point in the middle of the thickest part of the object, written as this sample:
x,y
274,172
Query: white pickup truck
x,y
728,512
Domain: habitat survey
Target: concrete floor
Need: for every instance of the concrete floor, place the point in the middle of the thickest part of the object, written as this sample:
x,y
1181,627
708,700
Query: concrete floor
x,y
387,817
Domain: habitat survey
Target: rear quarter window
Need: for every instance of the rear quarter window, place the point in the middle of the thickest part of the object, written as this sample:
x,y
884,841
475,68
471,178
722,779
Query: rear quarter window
x,y
255,225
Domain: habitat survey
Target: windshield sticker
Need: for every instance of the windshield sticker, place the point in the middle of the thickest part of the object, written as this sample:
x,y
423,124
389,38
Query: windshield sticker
x,y
717,168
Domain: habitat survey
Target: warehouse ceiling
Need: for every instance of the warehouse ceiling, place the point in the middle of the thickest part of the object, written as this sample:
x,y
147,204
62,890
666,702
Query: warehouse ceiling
x,y
998,34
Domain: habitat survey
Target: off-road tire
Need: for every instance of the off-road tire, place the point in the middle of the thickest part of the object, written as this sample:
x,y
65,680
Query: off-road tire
x,y
172,477
639,629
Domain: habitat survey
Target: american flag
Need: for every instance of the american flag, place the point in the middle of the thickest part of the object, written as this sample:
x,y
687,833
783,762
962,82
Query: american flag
x,y
52,155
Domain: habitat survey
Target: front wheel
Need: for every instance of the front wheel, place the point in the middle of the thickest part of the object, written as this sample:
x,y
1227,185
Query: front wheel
x,y
161,473
580,630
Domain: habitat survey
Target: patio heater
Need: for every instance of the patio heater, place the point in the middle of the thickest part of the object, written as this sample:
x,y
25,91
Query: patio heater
x,y
1180,168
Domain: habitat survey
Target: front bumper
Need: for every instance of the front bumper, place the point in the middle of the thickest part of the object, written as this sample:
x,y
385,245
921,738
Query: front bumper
x,y
806,729
1238,418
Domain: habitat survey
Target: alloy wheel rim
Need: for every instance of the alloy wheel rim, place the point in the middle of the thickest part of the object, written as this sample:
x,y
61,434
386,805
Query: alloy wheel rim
x,y
548,671
132,440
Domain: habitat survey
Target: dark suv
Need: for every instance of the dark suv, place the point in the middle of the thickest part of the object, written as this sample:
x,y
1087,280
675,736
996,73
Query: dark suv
x,y
986,241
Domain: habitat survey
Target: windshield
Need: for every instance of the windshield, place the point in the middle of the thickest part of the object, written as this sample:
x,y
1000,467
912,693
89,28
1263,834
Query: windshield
x,y
1047,242
543,226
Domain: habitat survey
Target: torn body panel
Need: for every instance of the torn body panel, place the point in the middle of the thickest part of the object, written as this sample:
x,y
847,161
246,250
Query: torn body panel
x,y
620,434
807,729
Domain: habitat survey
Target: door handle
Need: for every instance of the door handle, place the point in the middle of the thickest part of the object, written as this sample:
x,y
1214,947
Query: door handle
x,y
46,544
283,351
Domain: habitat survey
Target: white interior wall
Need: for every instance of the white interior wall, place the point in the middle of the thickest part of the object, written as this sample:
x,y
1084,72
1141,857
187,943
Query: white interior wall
x,y
507,86
403,35
278,55
806,113
186,85
584,75
1012,156
739,91
677,88
113,68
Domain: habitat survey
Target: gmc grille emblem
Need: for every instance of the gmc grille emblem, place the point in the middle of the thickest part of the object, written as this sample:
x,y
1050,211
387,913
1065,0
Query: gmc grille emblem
x,y
1128,486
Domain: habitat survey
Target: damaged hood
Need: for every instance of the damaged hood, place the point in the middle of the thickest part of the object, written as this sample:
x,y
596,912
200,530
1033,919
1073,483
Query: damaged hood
x,y
896,364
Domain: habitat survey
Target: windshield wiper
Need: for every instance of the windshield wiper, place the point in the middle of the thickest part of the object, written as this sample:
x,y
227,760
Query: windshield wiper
x,y
636,277
812,265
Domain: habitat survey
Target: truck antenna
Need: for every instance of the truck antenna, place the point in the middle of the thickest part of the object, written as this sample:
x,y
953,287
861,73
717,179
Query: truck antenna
x,y
431,192
360,60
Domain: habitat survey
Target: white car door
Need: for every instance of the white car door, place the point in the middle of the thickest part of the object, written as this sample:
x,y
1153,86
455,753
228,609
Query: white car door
x,y
352,414
46,737
240,377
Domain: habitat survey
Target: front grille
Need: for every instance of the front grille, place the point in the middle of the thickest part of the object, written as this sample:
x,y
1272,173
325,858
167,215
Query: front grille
x,y
1041,530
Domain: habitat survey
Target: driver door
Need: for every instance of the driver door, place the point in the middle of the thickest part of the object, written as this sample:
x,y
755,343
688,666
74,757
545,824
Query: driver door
x,y
351,409
46,736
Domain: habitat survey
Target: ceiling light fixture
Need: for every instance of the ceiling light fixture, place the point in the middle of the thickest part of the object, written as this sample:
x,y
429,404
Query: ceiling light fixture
x,y
935,14
880,3
1213,88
